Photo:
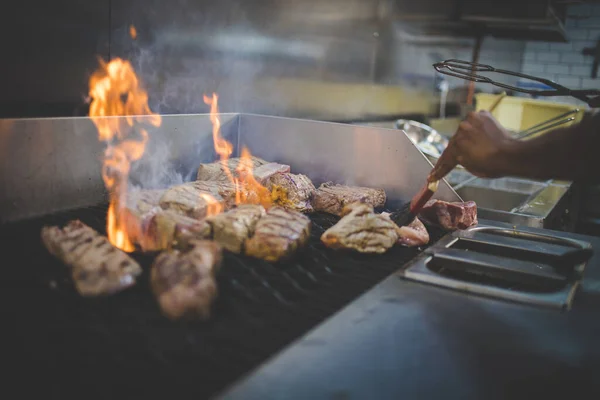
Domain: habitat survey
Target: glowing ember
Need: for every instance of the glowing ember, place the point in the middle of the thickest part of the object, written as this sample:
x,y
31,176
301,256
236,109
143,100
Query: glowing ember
x,y
247,189
132,32
116,91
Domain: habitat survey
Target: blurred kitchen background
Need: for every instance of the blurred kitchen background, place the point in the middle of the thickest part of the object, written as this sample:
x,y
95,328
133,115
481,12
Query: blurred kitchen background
x,y
351,61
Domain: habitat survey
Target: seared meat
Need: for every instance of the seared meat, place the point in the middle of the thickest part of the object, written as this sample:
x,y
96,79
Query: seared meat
x,y
97,267
232,228
166,228
412,235
266,171
362,230
142,201
450,216
332,198
184,280
194,199
278,234
292,191
216,171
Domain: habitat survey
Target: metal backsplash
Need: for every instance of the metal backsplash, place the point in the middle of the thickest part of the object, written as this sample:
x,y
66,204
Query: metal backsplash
x,y
49,165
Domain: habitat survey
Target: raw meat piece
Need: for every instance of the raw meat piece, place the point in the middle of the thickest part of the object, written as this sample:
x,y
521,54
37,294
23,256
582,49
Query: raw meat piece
x,y
450,216
216,171
292,191
184,280
412,235
97,267
232,228
278,235
332,198
362,230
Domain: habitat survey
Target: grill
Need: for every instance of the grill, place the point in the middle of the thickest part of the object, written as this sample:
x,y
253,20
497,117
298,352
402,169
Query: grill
x,y
122,344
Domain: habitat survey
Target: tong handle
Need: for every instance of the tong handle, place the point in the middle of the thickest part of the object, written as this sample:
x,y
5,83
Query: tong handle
x,y
468,71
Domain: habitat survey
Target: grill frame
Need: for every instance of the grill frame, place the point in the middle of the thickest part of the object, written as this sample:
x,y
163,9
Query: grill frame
x,y
124,336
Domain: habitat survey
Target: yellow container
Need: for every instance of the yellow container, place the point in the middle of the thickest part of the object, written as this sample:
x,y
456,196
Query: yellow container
x,y
519,113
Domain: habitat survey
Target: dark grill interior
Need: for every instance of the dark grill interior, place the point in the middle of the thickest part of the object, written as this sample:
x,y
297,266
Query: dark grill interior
x,y
122,346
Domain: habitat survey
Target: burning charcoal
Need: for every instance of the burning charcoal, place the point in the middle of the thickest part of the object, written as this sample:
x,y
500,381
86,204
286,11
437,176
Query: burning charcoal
x,y
232,228
331,198
217,172
362,230
291,191
278,235
450,216
183,281
97,267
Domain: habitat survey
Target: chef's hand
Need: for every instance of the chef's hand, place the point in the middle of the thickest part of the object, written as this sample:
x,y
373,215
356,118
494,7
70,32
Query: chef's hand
x,y
480,145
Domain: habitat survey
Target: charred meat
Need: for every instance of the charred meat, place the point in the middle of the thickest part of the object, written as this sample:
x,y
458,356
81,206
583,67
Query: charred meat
x,y
194,199
278,235
266,171
183,281
292,191
232,228
331,198
361,229
166,228
97,267
450,215
217,171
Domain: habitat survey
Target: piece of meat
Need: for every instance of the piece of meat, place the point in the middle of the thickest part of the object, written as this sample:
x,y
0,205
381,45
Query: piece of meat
x,y
231,229
183,281
217,172
97,267
165,228
450,215
361,229
332,198
266,171
412,235
196,199
278,235
292,191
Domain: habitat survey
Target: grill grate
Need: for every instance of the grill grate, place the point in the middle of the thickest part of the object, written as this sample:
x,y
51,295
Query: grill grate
x,y
121,344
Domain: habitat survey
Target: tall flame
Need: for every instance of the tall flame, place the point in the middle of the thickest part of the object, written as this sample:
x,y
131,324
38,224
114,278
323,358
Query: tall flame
x,y
116,91
247,189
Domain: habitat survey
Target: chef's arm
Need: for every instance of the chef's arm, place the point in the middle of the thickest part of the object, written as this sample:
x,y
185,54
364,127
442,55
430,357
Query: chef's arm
x,y
486,149
571,153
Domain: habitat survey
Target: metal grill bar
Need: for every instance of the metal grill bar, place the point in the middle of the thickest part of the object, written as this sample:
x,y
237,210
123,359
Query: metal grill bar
x,y
124,340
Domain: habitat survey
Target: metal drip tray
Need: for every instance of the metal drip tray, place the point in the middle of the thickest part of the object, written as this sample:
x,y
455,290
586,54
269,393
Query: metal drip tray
x,y
528,266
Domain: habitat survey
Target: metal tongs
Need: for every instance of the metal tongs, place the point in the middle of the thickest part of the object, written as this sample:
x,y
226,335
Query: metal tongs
x,y
469,71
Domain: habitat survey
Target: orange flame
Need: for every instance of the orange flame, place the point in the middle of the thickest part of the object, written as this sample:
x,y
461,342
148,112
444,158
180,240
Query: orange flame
x,y
247,189
214,207
132,32
116,91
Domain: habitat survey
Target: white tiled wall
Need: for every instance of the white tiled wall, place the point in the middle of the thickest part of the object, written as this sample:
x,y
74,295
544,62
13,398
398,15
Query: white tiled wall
x,y
564,63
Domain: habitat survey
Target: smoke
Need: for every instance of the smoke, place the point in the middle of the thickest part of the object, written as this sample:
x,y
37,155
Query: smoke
x,y
156,169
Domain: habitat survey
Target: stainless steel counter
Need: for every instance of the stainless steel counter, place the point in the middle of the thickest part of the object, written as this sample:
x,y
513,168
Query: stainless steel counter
x,y
409,340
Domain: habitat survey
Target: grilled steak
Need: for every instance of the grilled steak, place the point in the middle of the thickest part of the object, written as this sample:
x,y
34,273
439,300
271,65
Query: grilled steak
x,y
412,235
232,228
165,228
196,199
216,171
183,281
332,198
278,234
97,267
266,171
362,230
450,216
292,191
